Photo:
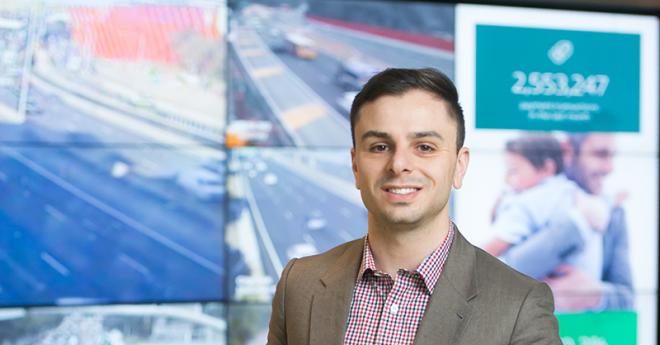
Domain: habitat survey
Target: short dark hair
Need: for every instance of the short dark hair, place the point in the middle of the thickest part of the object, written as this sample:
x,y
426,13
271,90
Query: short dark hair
x,y
397,81
576,140
537,148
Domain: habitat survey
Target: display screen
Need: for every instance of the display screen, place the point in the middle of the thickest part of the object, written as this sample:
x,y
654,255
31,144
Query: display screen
x,y
184,151
112,168
562,119
294,71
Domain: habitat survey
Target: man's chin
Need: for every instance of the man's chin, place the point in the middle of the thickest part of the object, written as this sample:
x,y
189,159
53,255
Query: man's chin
x,y
403,219
596,188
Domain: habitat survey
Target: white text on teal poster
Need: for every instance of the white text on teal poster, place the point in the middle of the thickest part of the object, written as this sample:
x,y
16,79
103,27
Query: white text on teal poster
x,y
543,79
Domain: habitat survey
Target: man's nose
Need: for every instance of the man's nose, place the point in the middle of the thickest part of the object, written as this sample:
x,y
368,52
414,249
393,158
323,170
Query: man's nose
x,y
608,165
400,161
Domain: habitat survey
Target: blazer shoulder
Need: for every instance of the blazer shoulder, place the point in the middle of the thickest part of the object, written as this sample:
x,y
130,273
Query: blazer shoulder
x,y
314,266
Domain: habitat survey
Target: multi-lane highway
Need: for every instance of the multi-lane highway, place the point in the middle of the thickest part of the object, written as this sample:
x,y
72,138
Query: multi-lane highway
x,y
105,197
305,89
303,203
74,231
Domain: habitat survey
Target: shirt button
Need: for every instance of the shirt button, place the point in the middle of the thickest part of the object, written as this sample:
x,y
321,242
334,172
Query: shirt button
x,y
394,308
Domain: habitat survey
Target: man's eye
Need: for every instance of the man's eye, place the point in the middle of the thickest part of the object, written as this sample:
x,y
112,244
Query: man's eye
x,y
379,148
425,148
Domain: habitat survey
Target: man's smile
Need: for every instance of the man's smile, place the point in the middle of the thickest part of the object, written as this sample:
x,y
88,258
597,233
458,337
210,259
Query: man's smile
x,y
401,192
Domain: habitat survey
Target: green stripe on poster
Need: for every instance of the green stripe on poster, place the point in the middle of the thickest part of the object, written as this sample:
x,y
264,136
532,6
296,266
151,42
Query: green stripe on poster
x,y
606,328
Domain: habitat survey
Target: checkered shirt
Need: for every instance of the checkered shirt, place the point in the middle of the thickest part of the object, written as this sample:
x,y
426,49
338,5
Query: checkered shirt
x,y
384,311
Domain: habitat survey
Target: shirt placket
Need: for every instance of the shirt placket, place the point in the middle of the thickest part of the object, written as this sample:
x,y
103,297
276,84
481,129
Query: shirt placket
x,y
389,325
381,285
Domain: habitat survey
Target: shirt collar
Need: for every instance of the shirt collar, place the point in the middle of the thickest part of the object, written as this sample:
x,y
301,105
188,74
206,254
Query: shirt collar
x,y
430,268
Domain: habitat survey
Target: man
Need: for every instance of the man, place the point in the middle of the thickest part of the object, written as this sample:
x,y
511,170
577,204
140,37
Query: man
x,y
414,279
589,161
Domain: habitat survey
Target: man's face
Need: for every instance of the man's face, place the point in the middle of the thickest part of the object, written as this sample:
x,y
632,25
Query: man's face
x,y
405,160
594,161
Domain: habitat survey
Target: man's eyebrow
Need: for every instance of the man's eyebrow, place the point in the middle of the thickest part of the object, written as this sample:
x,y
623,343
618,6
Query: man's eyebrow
x,y
375,134
418,135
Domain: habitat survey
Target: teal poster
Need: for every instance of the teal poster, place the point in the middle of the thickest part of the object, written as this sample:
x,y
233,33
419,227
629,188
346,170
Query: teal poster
x,y
546,79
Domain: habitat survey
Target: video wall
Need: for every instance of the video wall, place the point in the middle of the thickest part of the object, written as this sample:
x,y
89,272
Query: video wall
x,y
161,162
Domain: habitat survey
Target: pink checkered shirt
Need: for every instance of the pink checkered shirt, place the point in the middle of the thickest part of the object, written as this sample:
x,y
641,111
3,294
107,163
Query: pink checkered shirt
x,y
387,312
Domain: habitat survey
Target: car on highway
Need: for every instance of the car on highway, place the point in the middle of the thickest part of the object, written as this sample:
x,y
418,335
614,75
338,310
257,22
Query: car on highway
x,y
270,179
206,182
315,221
355,72
301,46
301,249
346,100
274,38
245,132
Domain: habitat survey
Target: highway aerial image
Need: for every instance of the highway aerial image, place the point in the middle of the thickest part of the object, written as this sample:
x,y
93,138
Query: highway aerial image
x,y
111,153
286,203
294,69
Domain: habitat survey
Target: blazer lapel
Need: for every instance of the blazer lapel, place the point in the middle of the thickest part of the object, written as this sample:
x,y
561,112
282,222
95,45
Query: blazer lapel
x,y
331,302
449,310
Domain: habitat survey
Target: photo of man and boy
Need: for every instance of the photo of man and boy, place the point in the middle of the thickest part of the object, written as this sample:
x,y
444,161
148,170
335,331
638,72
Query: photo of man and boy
x,y
554,223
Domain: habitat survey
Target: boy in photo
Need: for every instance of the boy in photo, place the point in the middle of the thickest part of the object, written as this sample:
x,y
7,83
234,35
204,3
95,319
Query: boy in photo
x,y
538,192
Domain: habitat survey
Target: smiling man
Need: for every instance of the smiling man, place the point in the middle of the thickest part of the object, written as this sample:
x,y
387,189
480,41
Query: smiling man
x,y
414,279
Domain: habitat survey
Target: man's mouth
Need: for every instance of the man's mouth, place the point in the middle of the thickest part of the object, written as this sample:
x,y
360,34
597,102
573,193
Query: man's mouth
x,y
402,190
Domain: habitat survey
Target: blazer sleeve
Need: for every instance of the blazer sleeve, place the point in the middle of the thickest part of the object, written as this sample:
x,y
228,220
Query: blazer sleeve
x,y
536,322
277,326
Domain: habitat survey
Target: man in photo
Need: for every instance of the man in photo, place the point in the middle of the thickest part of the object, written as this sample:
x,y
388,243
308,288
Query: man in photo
x,y
414,279
543,254
539,192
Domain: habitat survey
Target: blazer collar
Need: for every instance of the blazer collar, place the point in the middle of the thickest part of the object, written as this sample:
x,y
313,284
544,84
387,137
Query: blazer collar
x,y
448,310
331,301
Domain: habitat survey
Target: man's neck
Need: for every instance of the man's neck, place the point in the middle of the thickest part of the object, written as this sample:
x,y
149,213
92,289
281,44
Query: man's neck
x,y
397,248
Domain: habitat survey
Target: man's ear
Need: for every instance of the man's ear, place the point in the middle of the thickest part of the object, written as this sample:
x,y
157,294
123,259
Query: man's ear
x,y
549,167
462,161
354,168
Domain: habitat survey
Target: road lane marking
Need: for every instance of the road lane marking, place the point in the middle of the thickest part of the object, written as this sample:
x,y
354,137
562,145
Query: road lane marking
x,y
303,115
103,207
267,72
21,273
55,213
261,227
253,52
56,265
134,264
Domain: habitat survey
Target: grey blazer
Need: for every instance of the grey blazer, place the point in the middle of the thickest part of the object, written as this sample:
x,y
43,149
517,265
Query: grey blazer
x,y
477,300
